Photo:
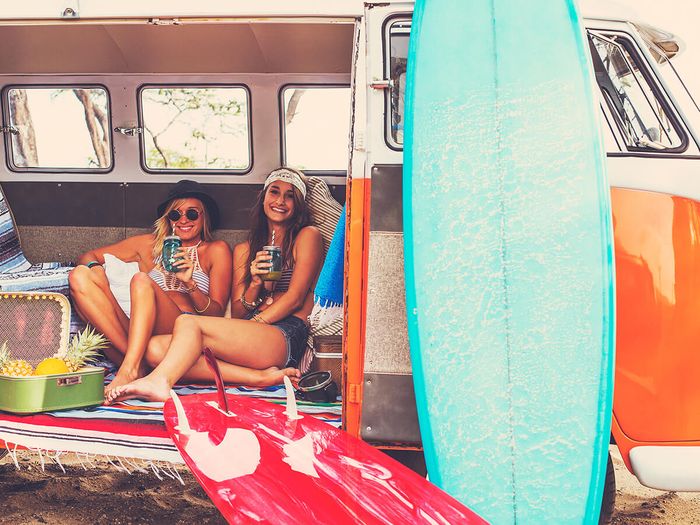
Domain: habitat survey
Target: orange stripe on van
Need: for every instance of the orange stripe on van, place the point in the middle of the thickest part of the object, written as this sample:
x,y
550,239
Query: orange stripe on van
x,y
356,253
657,259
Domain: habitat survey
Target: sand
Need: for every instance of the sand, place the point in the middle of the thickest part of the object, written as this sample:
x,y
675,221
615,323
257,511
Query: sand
x,y
100,494
104,495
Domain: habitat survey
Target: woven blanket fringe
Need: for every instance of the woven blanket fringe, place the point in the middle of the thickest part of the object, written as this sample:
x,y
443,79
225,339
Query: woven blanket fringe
x,y
322,315
161,469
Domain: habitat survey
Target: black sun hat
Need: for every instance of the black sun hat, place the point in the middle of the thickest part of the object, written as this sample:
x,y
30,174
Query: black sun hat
x,y
189,188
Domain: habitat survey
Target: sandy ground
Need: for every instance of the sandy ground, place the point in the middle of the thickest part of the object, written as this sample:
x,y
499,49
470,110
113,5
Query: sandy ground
x,y
104,495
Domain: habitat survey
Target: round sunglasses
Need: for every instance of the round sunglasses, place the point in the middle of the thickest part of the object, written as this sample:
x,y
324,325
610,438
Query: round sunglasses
x,y
192,214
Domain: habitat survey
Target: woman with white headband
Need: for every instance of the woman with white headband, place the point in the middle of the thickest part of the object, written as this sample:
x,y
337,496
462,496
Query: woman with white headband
x,y
265,337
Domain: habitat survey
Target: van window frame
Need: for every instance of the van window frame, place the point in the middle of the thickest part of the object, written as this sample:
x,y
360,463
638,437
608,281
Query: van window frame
x,y
194,171
282,127
645,69
386,64
9,152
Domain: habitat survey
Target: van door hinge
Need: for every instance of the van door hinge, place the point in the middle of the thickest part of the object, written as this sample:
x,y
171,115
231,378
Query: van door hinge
x,y
164,21
9,129
382,84
354,393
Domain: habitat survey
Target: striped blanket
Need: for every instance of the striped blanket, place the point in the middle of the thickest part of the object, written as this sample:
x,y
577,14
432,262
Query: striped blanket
x,y
131,429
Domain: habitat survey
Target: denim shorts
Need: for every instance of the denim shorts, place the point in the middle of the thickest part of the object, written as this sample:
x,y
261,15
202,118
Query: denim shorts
x,y
295,333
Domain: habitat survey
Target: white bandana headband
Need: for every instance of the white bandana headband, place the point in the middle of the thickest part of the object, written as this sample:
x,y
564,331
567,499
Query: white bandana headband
x,y
287,175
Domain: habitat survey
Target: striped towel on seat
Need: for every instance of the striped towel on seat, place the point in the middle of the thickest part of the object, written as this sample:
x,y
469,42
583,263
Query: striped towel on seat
x,y
17,274
325,213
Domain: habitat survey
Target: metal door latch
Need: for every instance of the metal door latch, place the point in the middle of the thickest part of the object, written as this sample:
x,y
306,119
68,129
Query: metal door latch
x,y
131,132
382,84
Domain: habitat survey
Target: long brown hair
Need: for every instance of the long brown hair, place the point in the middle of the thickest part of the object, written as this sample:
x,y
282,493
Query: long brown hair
x,y
260,232
163,228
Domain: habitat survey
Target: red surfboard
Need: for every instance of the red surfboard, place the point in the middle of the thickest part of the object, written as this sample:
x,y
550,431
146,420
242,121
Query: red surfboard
x,y
260,463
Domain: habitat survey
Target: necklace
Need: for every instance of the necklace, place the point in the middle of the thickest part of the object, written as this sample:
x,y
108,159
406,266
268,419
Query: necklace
x,y
270,299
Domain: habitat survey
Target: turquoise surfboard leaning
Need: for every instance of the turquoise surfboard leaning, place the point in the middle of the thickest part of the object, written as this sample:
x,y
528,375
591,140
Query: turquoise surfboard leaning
x,y
508,258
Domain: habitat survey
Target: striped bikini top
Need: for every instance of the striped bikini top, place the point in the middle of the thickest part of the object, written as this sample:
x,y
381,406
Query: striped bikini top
x,y
169,283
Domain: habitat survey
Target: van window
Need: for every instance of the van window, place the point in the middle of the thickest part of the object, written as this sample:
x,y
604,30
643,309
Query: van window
x,y
640,111
316,127
195,128
396,44
65,128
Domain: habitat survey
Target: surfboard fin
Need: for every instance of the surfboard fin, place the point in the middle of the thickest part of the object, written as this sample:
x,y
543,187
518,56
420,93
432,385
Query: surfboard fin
x,y
183,425
291,410
220,388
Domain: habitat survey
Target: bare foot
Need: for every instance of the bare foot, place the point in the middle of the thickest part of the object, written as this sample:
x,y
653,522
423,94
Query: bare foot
x,y
148,388
124,377
275,376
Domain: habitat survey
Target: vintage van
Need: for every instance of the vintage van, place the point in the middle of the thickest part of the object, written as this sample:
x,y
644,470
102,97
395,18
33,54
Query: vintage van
x,y
103,103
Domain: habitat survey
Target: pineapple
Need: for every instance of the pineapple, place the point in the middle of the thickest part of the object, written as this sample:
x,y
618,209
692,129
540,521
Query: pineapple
x,y
83,349
13,367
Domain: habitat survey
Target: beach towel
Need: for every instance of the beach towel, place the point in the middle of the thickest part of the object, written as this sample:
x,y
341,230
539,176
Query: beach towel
x,y
328,294
119,274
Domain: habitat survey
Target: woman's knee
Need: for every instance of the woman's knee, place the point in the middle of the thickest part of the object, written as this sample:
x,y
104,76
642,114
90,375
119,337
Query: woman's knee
x,y
141,281
155,351
185,322
79,278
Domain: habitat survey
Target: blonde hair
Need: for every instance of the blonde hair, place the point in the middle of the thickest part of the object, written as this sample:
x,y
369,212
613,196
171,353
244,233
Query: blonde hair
x,y
162,227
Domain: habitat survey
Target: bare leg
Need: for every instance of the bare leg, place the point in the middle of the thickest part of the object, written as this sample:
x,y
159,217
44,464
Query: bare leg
x,y
96,304
251,353
231,374
151,310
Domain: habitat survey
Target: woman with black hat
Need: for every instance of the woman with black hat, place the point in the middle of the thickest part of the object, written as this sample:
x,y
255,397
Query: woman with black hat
x,y
152,298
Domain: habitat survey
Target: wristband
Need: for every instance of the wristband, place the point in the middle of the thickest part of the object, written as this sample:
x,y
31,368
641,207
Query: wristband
x,y
92,263
203,309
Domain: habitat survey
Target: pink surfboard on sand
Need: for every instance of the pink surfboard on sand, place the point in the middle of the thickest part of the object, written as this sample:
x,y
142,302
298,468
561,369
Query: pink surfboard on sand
x,y
260,463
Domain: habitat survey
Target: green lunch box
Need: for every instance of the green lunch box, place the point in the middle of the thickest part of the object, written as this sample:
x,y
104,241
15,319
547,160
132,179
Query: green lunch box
x,y
36,326
28,395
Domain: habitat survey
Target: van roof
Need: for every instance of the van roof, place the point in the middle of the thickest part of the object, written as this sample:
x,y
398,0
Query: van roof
x,y
125,9
166,12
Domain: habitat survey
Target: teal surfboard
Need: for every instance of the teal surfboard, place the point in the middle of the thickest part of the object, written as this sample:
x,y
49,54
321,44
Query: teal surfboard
x,y
508,258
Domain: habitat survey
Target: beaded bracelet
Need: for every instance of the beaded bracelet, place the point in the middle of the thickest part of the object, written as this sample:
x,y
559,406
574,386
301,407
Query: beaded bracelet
x,y
192,289
251,306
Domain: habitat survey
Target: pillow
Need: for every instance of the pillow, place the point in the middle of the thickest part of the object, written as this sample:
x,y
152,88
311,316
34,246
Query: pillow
x,y
119,274
323,209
